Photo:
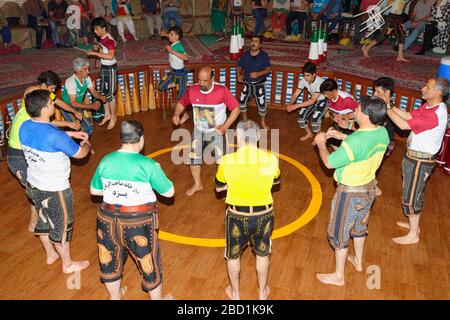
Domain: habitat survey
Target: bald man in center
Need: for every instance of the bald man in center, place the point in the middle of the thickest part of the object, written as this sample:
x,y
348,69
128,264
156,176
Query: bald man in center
x,y
210,101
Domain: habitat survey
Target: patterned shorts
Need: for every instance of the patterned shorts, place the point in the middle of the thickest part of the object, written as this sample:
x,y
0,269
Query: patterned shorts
x,y
17,164
416,173
55,213
314,113
108,81
240,230
120,234
349,216
207,147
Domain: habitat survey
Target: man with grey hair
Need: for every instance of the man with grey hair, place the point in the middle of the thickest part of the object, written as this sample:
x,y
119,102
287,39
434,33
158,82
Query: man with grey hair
x,y
248,176
74,92
127,221
427,124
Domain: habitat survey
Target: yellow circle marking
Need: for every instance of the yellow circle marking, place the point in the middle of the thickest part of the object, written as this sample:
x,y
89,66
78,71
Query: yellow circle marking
x,y
306,217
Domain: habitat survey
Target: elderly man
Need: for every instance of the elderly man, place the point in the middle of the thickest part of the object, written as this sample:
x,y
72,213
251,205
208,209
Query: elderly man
x,y
248,176
75,89
210,102
356,162
47,151
427,124
127,221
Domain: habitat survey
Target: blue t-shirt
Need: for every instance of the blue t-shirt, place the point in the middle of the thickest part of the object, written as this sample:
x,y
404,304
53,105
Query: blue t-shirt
x,y
47,150
318,5
254,64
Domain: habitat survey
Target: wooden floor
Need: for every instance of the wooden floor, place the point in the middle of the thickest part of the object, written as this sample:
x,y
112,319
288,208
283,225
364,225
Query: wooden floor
x,y
420,271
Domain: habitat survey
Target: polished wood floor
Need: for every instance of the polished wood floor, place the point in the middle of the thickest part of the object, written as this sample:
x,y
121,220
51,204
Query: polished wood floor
x,y
420,271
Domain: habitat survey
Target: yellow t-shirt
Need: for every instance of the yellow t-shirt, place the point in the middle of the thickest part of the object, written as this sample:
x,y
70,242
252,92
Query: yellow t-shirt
x,y
249,173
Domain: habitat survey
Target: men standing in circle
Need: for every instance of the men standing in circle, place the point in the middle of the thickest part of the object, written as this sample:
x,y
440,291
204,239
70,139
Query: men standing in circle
x,y
394,23
316,105
427,124
108,69
253,69
75,89
356,162
248,176
48,151
210,102
127,221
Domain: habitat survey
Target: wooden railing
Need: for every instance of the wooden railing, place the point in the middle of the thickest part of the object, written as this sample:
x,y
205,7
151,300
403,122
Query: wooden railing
x,y
280,86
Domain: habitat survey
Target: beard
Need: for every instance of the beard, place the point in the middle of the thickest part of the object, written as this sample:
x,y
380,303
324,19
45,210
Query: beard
x,y
203,88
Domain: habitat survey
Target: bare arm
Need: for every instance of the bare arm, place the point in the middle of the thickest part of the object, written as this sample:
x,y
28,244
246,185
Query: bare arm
x,y
233,116
176,114
398,119
85,147
97,95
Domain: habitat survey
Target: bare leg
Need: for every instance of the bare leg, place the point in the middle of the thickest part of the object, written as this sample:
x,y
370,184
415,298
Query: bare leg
x,y
69,265
336,278
195,171
400,56
308,134
413,235
356,260
234,269
262,270
365,49
33,219
405,225
263,123
52,255
112,122
114,290
244,115
107,114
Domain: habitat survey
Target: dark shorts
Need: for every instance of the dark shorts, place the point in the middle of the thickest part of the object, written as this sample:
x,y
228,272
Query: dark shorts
x,y
314,113
258,91
120,234
55,213
349,218
416,173
179,78
207,147
108,81
394,23
17,164
240,230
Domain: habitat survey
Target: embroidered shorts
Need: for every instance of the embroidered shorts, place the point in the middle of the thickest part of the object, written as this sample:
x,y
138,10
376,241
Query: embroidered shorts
x,y
17,164
207,147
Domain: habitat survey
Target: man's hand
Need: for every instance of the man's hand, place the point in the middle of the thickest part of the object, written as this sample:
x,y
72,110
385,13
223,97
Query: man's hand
x,y
291,107
333,133
254,75
221,130
168,49
320,139
176,120
78,115
85,142
78,135
95,106
104,99
91,53
74,125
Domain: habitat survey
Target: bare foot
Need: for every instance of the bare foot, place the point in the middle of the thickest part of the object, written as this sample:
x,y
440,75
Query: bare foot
x,y
408,239
330,278
357,264
306,137
104,121
76,266
365,52
52,258
405,225
168,297
402,59
193,190
264,126
123,291
184,118
231,294
263,295
111,124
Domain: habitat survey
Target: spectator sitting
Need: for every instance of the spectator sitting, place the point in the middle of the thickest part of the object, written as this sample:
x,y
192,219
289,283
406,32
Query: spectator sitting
x,y
280,10
37,19
87,15
297,11
57,17
333,14
172,12
419,18
122,10
5,32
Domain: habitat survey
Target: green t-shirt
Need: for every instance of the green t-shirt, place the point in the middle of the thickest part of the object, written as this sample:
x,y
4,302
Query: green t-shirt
x,y
129,178
73,86
359,156
175,62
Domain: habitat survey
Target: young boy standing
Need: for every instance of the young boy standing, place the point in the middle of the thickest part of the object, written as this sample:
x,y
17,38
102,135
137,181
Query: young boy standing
x,y
177,76
108,69
315,107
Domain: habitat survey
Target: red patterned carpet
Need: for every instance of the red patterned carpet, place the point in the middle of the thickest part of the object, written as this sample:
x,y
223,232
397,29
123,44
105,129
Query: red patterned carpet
x,y
382,63
22,69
